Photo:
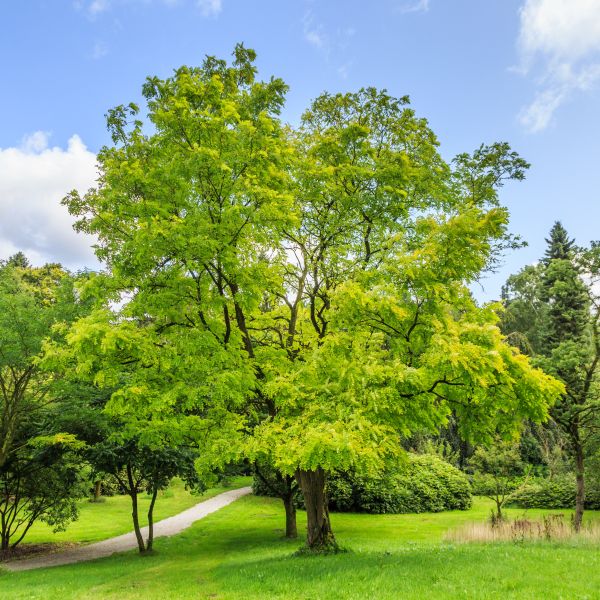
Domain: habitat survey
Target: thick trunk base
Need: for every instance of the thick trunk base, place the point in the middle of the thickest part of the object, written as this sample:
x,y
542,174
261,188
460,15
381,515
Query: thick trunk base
x,y
319,535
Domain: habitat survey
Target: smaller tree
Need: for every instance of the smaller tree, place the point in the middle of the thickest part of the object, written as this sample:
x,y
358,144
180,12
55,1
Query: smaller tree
x,y
33,302
41,481
139,468
498,471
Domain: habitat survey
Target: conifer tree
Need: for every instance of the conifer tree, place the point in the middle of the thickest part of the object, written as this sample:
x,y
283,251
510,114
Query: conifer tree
x,y
555,307
559,244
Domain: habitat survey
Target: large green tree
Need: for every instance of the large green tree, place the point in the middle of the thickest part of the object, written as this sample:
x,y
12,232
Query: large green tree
x,y
41,479
310,280
40,466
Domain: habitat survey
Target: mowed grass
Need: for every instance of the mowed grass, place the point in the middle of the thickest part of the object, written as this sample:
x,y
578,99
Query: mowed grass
x,y
112,516
239,552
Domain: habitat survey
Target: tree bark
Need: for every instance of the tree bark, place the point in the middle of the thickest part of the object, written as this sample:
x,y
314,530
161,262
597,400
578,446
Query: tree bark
x,y
319,533
580,493
291,529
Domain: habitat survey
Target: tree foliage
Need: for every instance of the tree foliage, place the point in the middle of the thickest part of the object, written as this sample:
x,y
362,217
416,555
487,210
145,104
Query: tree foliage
x,y
138,468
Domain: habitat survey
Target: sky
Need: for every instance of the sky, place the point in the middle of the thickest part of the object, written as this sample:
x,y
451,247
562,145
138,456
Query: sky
x,y
522,71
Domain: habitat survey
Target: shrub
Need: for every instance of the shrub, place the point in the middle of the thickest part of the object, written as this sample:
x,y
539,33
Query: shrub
x,y
554,493
425,483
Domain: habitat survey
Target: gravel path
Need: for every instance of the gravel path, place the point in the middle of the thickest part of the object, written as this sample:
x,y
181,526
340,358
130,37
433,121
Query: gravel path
x,y
122,543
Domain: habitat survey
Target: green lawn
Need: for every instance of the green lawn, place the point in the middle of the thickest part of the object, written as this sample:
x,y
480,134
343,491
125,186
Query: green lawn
x,y
98,521
238,552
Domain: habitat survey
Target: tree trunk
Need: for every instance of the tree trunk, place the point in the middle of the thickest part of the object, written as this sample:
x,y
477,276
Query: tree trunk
x,y
291,530
97,490
134,510
580,494
150,540
136,522
499,510
319,534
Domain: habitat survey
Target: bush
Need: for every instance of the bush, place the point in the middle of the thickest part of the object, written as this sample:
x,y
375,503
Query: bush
x,y
425,483
554,493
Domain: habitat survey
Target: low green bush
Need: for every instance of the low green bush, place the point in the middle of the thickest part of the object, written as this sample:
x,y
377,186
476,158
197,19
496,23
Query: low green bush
x,y
554,493
424,483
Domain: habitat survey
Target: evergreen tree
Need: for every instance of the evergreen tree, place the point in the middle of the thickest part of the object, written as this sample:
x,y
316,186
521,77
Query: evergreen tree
x,y
559,244
556,310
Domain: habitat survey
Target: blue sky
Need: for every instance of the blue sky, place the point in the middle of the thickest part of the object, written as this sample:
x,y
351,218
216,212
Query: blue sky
x,y
524,71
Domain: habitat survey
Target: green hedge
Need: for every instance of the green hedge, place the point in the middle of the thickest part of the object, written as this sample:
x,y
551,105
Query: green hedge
x,y
425,483
554,493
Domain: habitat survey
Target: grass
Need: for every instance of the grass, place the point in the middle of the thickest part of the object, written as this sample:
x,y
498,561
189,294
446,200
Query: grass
x,y
239,552
99,521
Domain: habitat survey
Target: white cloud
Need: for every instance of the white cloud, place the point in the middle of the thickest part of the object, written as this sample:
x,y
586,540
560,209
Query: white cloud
x,y
98,6
33,179
344,70
100,50
210,8
559,45
315,38
35,142
416,6
537,115
313,32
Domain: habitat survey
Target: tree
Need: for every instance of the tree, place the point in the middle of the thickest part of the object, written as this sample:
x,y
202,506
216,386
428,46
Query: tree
x,y
189,219
381,337
40,480
560,247
138,468
525,309
34,302
563,331
498,471
40,464
314,280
